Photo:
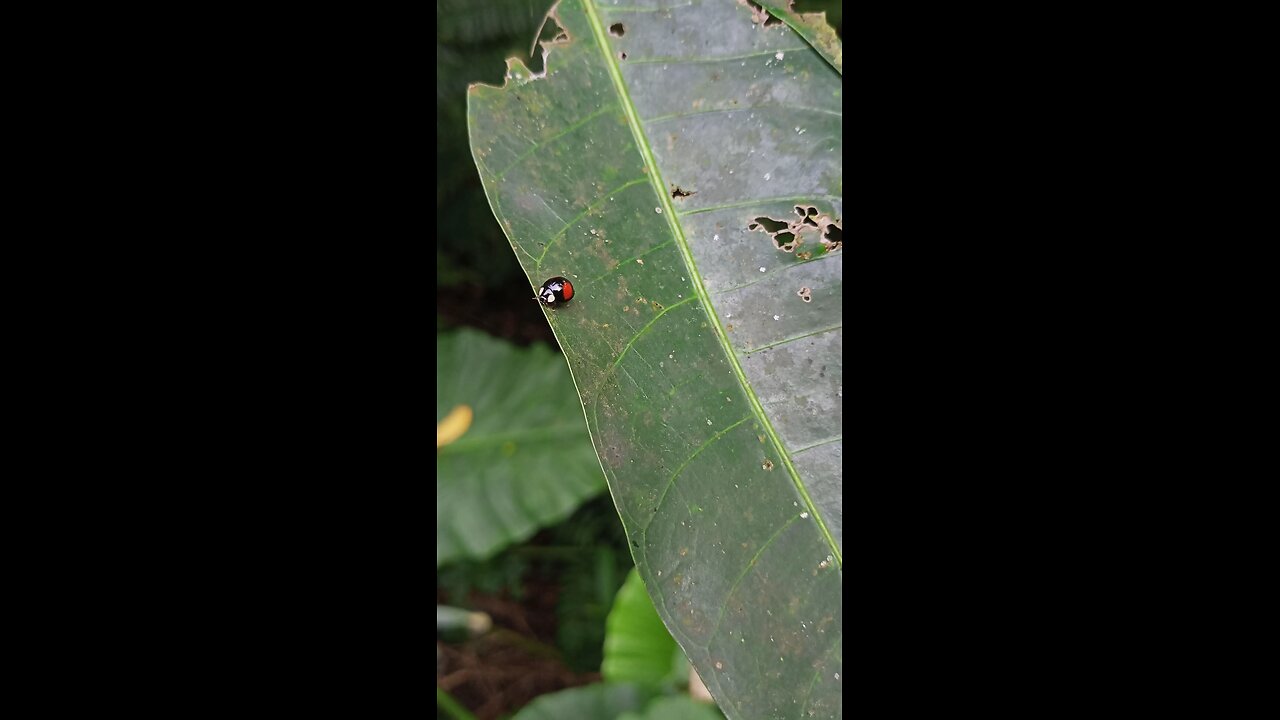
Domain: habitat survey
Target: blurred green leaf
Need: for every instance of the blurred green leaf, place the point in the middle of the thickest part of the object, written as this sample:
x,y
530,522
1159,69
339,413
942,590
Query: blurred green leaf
x,y
525,462
502,573
472,39
588,583
594,702
451,707
478,21
637,646
679,707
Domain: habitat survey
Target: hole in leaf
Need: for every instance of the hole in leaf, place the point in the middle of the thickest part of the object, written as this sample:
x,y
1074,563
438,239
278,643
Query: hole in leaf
x,y
767,464
809,221
677,192
551,32
760,16
622,55
784,238
805,294
833,238
617,30
770,225
752,226
813,211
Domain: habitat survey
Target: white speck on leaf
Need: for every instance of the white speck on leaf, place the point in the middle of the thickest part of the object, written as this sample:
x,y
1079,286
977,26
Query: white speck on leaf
x,y
777,317
778,56
761,269
715,237
804,515
767,175
658,210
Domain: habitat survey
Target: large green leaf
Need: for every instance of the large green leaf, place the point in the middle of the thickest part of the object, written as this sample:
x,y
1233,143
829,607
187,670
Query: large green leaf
x,y
525,462
680,162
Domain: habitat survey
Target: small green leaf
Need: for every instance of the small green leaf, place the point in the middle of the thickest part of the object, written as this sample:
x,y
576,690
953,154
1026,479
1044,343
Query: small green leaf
x,y
637,646
594,702
675,708
526,459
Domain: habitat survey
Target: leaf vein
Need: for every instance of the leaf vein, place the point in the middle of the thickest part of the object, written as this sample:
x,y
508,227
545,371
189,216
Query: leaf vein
x,y
750,108
698,59
685,464
771,273
742,575
792,339
593,206
644,329
553,138
758,201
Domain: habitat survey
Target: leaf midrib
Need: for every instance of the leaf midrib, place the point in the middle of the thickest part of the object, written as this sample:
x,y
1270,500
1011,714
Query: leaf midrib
x,y
655,176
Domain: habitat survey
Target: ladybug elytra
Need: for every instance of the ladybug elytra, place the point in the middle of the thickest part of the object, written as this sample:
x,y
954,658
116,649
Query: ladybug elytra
x,y
556,291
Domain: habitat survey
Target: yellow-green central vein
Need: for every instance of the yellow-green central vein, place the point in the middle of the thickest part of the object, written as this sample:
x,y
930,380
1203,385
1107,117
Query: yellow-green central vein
x,y
655,177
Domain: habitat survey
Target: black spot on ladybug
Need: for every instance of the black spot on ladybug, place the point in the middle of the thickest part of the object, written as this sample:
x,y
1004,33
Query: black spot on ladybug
x,y
555,292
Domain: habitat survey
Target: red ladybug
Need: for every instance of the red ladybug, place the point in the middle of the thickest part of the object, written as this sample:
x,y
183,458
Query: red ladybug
x,y
556,291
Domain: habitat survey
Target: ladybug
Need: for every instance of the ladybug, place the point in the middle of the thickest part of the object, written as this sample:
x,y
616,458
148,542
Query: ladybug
x,y
556,291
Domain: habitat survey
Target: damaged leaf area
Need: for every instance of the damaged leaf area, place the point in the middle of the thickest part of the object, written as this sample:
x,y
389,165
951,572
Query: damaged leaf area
x,y
647,161
808,224
813,27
